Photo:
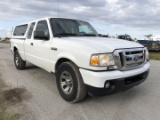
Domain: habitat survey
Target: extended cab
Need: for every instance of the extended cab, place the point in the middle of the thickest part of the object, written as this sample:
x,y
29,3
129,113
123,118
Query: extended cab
x,y
82,61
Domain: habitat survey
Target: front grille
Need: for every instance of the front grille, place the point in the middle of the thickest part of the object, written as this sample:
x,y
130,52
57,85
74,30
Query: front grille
x,y
129,58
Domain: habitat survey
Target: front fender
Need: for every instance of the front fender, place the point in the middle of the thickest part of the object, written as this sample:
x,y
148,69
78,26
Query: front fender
x,y
67,56
61,55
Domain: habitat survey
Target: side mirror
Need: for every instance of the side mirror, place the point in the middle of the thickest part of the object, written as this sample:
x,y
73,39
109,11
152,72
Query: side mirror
x,y
40,35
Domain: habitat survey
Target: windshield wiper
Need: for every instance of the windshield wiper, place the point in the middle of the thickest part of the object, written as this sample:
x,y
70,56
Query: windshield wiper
x,y
66,34
73,34
88,35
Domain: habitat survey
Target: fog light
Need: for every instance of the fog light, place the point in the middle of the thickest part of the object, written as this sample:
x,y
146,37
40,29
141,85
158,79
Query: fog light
x,y
107,85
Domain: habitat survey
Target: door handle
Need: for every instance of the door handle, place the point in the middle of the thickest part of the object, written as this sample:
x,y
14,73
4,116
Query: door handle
x,y
53,48
32,44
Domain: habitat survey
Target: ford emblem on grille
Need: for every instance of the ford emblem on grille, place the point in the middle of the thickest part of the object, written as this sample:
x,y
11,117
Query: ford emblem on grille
x,y
136,58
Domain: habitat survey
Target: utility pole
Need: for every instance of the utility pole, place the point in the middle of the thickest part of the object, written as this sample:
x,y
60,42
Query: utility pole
x,y
5,33
58,8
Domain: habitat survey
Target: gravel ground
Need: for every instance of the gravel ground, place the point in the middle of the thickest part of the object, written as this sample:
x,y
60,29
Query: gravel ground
x,y
44,102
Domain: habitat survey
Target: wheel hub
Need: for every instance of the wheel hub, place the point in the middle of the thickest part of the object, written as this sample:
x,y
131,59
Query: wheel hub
x,y
66,82
17,60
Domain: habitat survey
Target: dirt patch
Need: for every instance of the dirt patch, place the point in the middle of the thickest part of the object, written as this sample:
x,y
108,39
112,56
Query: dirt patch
x,y
7,115
14,95
11,102
2,85
4,105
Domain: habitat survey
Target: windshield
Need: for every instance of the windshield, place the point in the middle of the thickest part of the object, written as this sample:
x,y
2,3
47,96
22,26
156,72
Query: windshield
x,y
67,27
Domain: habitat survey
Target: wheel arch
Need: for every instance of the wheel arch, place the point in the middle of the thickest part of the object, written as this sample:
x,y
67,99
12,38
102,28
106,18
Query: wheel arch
x,y
62,60
14,48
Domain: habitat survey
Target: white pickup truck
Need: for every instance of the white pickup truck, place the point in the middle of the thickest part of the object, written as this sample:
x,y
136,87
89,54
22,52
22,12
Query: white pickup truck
x,y
82,61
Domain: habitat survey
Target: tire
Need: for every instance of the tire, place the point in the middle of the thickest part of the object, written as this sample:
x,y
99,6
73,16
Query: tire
x,y
19,63
68,75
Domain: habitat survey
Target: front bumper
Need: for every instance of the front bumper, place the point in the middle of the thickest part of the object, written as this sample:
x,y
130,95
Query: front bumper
x,y
95,81
118,84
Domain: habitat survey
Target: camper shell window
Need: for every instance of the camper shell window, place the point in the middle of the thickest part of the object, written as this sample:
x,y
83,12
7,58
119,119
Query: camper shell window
x,y
20,30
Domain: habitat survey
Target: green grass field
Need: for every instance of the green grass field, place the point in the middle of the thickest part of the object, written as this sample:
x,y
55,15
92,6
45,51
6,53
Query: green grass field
x,y
154,55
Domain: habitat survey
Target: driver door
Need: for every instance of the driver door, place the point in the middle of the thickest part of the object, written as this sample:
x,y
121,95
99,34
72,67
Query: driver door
x,y
41,47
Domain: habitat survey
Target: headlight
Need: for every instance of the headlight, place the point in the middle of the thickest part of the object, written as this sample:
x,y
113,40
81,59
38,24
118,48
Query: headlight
x,y
102,60
147,55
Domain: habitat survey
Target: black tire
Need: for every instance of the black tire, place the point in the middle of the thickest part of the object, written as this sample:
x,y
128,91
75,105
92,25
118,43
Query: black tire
x,y
19,63
78,88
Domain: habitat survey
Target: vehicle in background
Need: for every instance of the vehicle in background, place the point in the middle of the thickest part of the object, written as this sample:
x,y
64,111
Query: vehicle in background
x,y
145,43
125,37
150,44
102,35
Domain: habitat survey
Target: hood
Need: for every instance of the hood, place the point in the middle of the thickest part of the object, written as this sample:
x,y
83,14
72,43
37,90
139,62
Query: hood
x,y
103,44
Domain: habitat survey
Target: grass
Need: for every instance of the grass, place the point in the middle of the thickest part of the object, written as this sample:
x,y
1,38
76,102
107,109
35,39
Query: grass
x,y
6,116
6,41
154,55
7,99
4,105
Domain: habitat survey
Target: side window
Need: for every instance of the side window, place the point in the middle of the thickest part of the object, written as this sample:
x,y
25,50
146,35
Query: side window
x,y
20,30
42,26
120,37
30,30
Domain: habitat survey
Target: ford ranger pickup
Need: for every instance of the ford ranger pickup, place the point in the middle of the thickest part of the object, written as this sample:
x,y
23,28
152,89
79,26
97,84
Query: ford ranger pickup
x,y
83,62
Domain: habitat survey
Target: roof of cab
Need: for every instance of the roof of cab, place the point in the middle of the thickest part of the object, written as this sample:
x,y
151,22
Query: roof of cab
x,y
45,19
32,21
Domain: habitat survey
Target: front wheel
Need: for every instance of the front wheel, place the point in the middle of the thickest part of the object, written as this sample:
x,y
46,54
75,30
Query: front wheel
x,y
19,63
70,83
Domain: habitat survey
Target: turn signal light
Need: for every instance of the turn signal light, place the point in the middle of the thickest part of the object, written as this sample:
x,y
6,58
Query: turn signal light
x,y
94,60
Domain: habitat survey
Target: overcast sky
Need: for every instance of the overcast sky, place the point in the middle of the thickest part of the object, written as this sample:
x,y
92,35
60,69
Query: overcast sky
x,y
135,17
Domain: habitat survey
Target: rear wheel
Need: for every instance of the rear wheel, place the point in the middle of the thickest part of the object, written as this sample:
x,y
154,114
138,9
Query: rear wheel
x,y
70,83
19,63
